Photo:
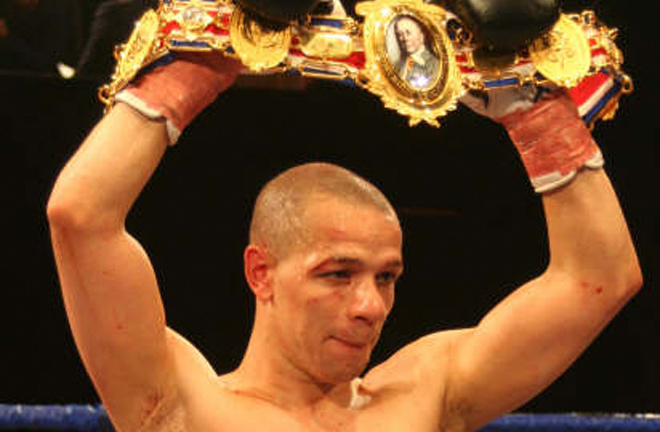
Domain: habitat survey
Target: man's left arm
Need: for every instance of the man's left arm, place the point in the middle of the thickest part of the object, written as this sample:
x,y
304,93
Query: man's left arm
x,y
534,335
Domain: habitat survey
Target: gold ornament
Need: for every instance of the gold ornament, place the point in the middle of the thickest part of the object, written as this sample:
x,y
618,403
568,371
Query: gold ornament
x,y
421,82
134,55
257,47
563,54
326,45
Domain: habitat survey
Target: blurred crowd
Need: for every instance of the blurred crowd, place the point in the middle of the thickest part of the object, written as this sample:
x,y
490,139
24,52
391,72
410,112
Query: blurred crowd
x,y
65,37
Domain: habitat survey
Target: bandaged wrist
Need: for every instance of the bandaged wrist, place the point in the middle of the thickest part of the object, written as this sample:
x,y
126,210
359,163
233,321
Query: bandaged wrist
x,y
553,141
178,90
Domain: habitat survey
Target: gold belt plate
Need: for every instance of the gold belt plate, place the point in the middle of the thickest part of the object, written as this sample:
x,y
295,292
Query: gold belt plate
x,y
563,54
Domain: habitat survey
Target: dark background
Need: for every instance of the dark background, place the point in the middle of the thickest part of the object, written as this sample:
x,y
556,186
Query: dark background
x,y
474,230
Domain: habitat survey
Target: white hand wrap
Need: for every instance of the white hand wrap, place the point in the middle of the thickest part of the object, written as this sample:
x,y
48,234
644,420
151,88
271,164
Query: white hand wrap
x,y
178,91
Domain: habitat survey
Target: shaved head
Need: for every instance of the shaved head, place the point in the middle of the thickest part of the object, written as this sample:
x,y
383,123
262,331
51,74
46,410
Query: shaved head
x,y
278,222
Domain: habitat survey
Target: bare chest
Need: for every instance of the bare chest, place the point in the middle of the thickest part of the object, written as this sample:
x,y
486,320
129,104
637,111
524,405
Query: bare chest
x,y
237,416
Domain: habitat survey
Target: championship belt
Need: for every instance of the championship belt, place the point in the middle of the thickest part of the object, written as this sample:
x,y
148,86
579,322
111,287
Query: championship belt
x,y
417,57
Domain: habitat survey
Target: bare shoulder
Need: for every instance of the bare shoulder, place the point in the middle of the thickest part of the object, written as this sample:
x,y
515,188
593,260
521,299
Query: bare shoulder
x,y
196,378
427,355
413,382
206,401
188,358
195,381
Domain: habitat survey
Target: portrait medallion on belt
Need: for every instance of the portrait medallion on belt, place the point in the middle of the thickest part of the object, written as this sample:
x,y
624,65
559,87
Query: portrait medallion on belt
x,y
410,60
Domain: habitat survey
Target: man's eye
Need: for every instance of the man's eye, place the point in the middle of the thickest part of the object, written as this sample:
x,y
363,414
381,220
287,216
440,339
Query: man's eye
x,y
338,274
385,278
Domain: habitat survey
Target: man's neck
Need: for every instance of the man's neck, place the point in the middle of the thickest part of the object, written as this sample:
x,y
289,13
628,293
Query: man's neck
x,y
265,375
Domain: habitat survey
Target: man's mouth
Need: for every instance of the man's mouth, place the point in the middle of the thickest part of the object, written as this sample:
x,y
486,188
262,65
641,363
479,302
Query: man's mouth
x,y
353,344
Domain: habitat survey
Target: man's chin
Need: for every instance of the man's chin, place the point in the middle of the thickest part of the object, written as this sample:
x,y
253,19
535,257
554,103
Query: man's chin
x,y
344,372
344,361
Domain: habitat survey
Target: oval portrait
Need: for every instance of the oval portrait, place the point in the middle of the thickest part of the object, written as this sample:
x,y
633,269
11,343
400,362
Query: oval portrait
x,y
411,53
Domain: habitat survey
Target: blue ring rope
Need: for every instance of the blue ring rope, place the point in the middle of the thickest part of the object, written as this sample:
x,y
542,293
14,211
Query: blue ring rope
x,y
86,418
93,418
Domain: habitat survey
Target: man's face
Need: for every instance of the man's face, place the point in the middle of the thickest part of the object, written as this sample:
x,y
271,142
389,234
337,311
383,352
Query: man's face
x,y
410,35
331,298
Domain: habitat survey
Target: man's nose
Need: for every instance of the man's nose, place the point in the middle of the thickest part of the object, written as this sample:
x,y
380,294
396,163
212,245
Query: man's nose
x,y
368,303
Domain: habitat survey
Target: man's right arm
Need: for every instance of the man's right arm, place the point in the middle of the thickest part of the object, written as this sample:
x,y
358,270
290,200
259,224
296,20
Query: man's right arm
x,y
109,288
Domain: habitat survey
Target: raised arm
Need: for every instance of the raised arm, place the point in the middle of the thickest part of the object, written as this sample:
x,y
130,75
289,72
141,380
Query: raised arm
x,y
469,377
109,287
533,336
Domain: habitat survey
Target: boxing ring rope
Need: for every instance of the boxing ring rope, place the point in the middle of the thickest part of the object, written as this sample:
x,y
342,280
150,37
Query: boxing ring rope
x,y
93,418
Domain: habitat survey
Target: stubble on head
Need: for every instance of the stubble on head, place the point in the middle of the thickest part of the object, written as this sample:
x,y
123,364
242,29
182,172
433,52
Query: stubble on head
x,y
279,218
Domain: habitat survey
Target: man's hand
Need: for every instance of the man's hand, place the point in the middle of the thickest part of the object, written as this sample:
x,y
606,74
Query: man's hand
x,y
179,90
546,129
497,104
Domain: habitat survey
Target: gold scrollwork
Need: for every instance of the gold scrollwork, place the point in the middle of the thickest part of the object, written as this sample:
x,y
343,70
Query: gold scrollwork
x,y
138,51
410,61
562,55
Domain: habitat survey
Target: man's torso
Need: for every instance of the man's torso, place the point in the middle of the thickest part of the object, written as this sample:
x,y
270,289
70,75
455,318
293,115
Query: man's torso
x,y
388,399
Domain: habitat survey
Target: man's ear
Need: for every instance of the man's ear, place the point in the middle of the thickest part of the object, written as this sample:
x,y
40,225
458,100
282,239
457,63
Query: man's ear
x,y
258,266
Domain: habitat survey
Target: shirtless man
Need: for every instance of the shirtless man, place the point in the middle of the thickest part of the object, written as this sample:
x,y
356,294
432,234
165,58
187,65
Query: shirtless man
x,y
323,259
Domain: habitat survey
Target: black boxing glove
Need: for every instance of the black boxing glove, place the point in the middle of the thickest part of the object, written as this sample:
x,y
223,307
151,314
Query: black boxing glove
x,y
277,12
505,25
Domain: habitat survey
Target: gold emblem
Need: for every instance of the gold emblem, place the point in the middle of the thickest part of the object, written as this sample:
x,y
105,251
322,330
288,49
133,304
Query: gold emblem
x,y
194,19
134,55
563,54
257,47
409,60
326,45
